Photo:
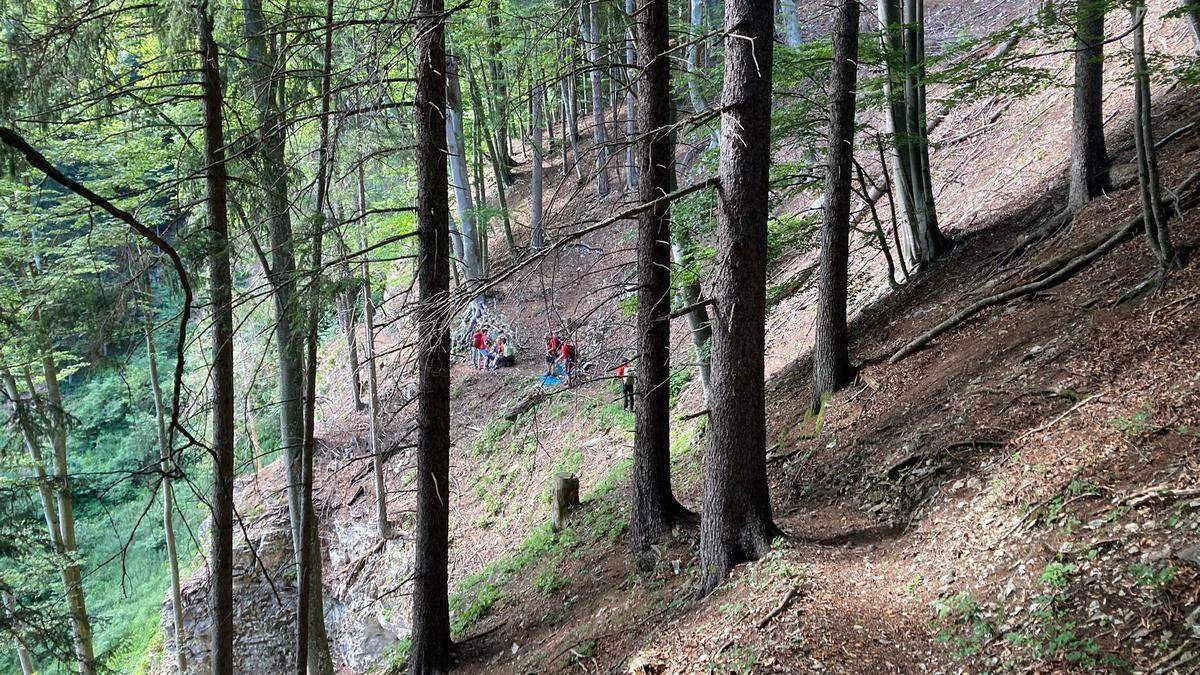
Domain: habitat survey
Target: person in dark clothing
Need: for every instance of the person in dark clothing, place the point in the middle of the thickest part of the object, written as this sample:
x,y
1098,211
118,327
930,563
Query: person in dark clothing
x,y
627,378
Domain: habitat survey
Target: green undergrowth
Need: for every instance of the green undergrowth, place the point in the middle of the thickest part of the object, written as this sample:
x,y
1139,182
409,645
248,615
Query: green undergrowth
x,y
600,519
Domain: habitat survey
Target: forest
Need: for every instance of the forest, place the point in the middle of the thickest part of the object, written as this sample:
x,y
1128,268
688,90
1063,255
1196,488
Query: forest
x,y
640,336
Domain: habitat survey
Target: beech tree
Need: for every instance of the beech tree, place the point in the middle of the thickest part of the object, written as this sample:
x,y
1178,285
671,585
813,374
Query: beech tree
x,y
736,522
537,233
1154,213
471,254
903,40
830,356
430,651
1089,155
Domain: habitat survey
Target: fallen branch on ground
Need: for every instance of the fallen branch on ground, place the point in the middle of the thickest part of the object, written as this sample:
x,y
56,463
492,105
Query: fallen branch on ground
x,y
1066,271
783,604
1158,492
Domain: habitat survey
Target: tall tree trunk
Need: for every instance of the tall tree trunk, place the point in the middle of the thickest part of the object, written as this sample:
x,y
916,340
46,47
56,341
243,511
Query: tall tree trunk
x,y
655,509
73,577
347,314
312,643
599,125
381,510
1089,156
1158,234
891,19
430,651
493,158
263,63
570,97
631,167
167,466
537,235
791,23
831,359
499,97
471,254
931,245
221,301
699,325
736,522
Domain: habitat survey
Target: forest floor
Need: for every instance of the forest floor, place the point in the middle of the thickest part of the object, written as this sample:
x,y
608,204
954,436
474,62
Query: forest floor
x,y
1022,494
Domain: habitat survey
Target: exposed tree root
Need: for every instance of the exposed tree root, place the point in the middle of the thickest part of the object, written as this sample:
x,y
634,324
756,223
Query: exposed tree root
x,y
1182,197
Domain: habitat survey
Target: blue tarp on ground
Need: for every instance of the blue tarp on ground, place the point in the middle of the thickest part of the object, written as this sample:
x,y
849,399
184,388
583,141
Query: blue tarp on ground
x,y
550,380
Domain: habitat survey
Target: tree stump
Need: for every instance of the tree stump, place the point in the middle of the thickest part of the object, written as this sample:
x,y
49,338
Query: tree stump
x,y
565,498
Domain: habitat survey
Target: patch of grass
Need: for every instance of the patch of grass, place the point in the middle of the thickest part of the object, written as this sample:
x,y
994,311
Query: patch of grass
x,y
1135,425
549,582
1150,577
962,625
488,440
1058,574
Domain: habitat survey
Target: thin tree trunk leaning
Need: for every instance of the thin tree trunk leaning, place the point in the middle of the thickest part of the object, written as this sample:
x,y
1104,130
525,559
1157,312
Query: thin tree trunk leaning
x,y
430,645
831,358
736,523
599,127
493,159
472,261
896,122
1183,196
167,466
791,23
221,301
263,64
347,315
1158,234
931,245
1191,15
631,166
71,577
655,509
381,510
689,296
312,643
499,97
537,237
23,657
1089,156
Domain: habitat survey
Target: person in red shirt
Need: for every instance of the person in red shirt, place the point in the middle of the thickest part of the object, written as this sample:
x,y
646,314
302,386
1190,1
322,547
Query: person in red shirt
x,y
625,375
568,359
479,351
552,345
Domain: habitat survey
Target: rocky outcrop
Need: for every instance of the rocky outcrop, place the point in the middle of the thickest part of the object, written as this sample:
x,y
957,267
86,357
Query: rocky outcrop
x,y
366,610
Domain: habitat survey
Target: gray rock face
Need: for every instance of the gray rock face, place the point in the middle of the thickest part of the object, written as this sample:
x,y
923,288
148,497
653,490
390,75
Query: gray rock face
x,y
366,612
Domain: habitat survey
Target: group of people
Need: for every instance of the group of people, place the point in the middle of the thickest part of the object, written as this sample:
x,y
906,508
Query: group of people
x,y
561,353
489,354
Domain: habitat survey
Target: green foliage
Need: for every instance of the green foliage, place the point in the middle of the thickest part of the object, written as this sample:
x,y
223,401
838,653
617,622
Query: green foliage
x,y
1151,577
791,234
962,625
1058,574
1135,425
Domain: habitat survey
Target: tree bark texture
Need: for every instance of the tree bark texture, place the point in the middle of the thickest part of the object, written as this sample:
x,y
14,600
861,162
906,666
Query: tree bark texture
x,y
221,301
655,509
430,652
1089,156
831,359
736,522
599,125
472,260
